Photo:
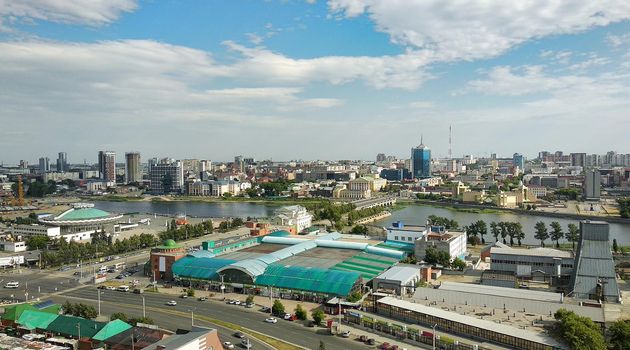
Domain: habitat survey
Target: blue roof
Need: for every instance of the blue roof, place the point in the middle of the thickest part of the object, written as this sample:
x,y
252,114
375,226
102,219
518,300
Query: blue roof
x,y
199,268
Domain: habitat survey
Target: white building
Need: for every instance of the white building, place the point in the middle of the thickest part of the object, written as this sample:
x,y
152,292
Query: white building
x,y
400,279
18,246
442,240
99,186
26,231
294,215
399,232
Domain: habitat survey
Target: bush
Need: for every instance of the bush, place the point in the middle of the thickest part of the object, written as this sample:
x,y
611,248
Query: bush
x,y
190,292
249,300
277,308
581,333
318,316
300,313
355,296
119,316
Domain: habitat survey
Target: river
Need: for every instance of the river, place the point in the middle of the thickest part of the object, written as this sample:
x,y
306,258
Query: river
x,y
411,214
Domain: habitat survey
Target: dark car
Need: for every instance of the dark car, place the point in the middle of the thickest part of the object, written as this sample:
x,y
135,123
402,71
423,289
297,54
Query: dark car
x,y
371,341
239,335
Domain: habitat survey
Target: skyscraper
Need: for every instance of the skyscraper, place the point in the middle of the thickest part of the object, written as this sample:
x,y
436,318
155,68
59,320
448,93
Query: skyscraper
x,y
380,157
592,183
518,161
133,172
107,165
167,176
420,161
44,165
62,162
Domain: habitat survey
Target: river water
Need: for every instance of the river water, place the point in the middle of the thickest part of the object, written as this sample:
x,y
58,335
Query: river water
x,y
412,214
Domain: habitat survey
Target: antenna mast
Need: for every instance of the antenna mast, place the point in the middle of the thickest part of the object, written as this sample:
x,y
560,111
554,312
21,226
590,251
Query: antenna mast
x,y
450,151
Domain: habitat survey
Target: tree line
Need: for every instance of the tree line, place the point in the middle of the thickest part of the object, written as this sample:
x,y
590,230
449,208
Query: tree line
x,y
624,207
188,231
581,333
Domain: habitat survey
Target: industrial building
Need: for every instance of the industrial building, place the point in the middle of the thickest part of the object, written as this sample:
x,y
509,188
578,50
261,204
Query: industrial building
x,y
400,279
323,266
594,276
542,264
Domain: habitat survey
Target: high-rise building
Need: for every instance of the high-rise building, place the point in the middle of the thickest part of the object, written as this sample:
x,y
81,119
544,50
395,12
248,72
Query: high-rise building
x,y
167,176
44,165
420,161
239,164
594,274
107,165
518,161
592,184
62,162
133,172
23,164
380,157
578,159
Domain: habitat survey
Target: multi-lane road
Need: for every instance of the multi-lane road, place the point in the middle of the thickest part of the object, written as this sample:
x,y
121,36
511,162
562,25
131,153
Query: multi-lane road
x,y
179,316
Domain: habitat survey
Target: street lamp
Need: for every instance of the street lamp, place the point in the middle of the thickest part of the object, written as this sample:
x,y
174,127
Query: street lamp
x,y
144,310
434,327
99,301
192,317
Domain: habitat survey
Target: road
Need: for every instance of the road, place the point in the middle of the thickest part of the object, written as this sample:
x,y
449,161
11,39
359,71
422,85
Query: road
x,y
294,332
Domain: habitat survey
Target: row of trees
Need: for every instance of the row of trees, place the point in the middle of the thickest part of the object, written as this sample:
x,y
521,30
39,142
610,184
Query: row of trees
x,y
131,320
624,207
230,224
556,233
278,309
581,333
187,231
436,257
355,215
59,251
79,310
449,224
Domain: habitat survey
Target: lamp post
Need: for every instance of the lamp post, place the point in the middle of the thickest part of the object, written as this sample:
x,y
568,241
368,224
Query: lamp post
x,y
98,291
434,327
144,310
79,330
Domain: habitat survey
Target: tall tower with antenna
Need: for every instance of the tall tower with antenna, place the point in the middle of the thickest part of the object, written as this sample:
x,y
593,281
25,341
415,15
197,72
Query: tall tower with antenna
x,y
450,150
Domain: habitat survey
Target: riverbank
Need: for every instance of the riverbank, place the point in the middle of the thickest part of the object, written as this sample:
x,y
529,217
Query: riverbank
x,y
198,199
482,209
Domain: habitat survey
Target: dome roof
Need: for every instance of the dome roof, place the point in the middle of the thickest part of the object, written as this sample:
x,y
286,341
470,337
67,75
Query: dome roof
x,y
83,214
170,243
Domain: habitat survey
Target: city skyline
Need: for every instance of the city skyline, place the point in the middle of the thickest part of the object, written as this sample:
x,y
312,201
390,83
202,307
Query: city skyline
x,y
333,79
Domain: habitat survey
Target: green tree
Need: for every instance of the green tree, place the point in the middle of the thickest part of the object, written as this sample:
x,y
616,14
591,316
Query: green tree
x,y
494,229
359,230
556,233
482,229
541,232
322,345
300,313
573,234
318,316
615,246
518,232
277,308
458,264
249,299
146,320
581,333
37,242
619,333
355,296
190,292
119,316
503,227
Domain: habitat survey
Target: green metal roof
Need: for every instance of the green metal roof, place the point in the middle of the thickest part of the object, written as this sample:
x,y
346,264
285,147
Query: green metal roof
x,y
309,279
84,214
111,329
36,319
13,313
70,325
199,268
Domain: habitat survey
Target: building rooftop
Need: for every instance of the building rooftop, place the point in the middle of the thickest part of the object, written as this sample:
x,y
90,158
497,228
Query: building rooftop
x,y
177,341
501,291
400,273
472,321
546,252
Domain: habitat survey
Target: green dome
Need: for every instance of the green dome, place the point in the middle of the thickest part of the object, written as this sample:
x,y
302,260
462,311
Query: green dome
x,y
170,243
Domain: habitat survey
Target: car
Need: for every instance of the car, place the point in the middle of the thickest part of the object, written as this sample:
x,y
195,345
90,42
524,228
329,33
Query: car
x,y
202,298
345,334
231,302
239,335
110,288
76,273
138,290
265,309
228,345
246,343
237,302
119,277
271,320
371,341
250,305
287,316
171,303
183,296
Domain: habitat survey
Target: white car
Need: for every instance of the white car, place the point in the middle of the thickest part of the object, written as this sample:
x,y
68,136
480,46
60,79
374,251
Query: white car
x,y
346,334
171,303
271,320
287,316
228,345
237,302
246,344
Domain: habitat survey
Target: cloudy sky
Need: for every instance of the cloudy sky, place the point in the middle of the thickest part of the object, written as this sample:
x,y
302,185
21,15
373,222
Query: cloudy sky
x,y
290,79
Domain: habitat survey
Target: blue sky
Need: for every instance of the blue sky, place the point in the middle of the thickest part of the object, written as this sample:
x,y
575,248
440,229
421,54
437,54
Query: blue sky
x,y
337,79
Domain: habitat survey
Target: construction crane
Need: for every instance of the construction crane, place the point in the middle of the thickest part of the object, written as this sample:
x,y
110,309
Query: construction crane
x,y
19,201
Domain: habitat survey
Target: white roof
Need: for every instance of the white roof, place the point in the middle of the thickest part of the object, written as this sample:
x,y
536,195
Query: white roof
x,y
547,252
401,273
472,321
502,291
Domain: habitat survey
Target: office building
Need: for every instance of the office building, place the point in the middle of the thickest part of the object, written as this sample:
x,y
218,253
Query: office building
x,y
592,184
578,159
518,161
107,165
380,157
594,275
420,161
62,162
167,176
44,165
133,172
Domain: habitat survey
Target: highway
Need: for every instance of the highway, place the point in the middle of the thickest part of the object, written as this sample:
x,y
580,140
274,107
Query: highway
x,y
179,316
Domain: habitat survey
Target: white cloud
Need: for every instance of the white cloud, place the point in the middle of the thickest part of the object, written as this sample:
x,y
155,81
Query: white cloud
x,y
254,38
618,40
472,29
93,12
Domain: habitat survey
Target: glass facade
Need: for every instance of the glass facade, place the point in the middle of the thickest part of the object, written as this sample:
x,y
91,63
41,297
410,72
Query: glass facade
x,y
420,162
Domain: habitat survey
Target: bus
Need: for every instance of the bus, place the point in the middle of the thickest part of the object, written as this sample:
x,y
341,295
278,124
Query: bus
x,y
118,266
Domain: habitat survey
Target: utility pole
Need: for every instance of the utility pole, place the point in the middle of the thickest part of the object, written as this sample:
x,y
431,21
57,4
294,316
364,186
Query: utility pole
x,y
79,328
98,291
271,300
144,310
434,327
222,287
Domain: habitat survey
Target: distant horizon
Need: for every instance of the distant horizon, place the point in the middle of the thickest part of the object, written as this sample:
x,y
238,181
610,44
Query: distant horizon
x,y
311,79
